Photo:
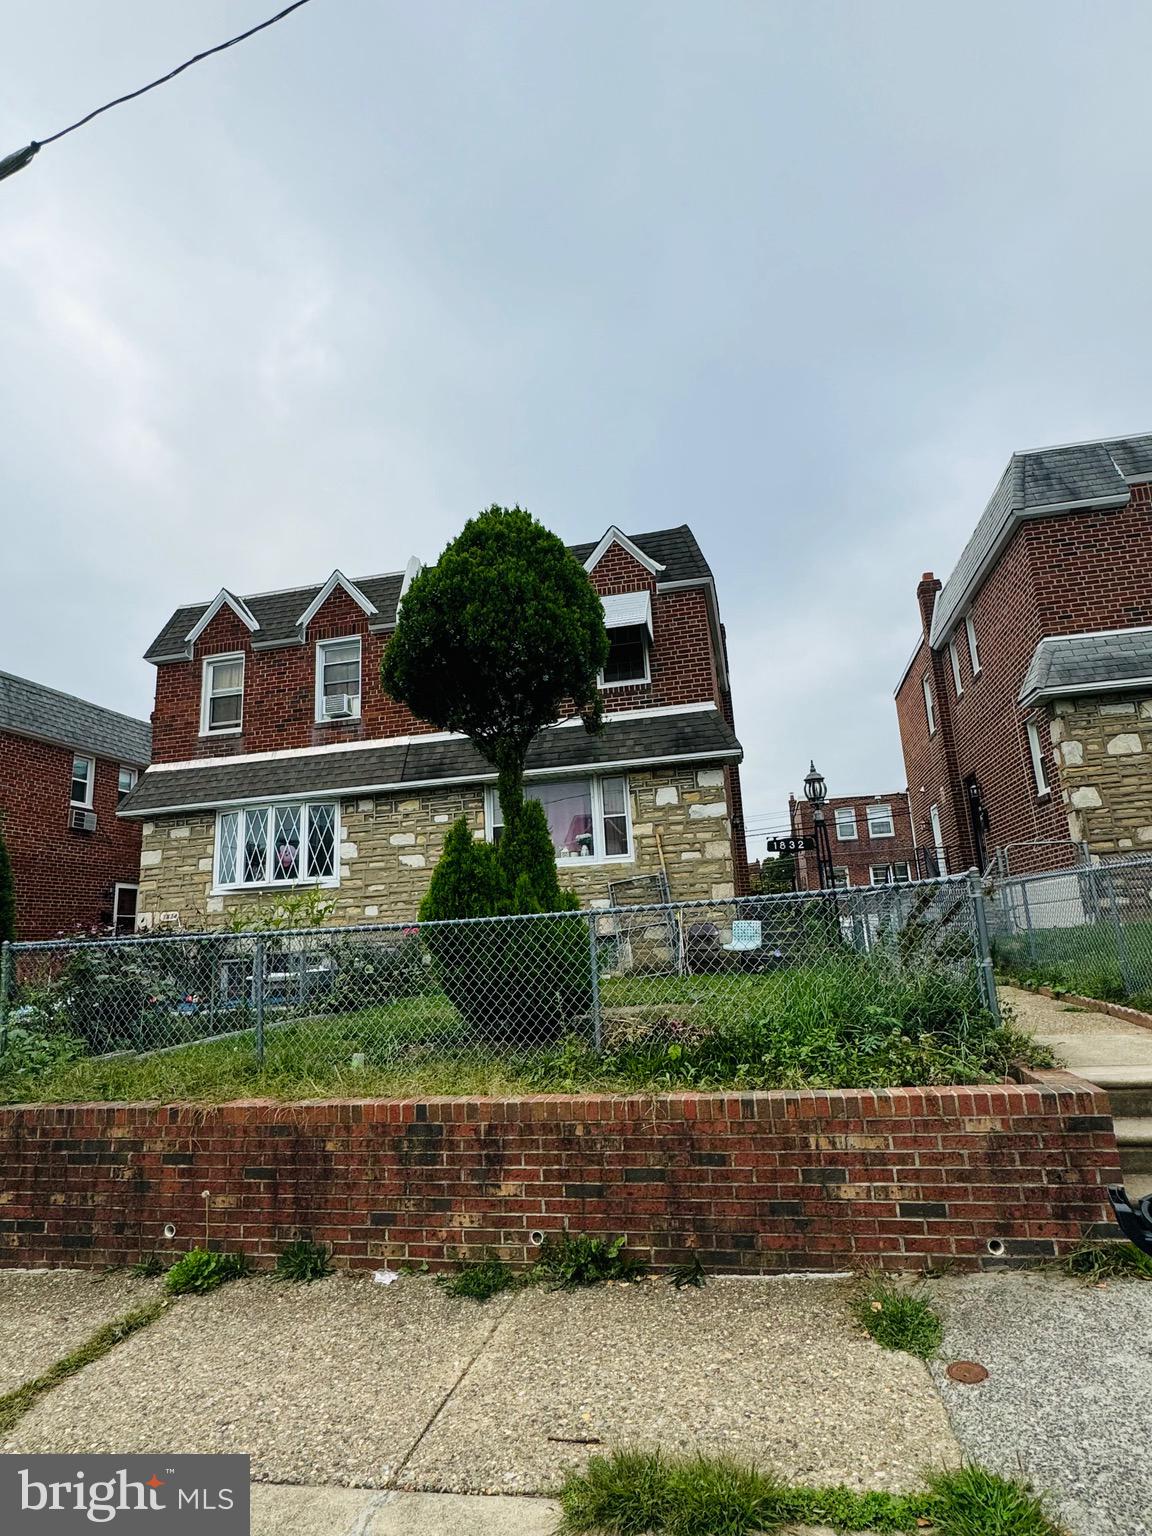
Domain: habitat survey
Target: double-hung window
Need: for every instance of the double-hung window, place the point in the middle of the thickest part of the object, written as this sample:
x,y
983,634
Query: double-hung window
x,y
973,648
880,821
588,818
338,679
954,658
125,784
887,874
845,824
840,879
929,706
277,845
1039,772
222,695
83,782
627,656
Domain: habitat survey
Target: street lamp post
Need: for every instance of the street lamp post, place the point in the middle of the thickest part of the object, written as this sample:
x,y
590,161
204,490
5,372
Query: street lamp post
x,y
816,793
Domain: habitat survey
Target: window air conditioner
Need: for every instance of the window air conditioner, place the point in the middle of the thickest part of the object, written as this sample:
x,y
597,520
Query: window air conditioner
x,y
340,706
82,821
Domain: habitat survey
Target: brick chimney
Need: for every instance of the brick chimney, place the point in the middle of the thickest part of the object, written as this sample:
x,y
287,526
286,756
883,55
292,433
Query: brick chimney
x,y
926,597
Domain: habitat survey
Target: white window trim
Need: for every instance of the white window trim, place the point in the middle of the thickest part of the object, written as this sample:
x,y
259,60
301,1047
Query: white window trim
x,y
874,836
872,880
631,682
90,786
929,705
973,648
938,838
954,657
305,882
206,697
122,794
598,856
841,837
841,869
321,717
1039,773
122,885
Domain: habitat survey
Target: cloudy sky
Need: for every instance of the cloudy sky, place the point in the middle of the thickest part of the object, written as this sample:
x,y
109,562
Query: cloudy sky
x,y
801,275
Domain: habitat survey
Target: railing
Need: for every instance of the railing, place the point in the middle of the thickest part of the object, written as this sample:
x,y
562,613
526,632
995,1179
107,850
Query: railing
x,y
377,993
1087,929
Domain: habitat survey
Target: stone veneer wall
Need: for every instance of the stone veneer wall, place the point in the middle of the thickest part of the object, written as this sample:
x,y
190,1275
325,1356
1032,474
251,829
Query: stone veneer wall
x,y
389,845
1104,748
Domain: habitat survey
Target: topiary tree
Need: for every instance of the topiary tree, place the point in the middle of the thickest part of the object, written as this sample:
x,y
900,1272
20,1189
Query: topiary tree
x,y
7,892
495,637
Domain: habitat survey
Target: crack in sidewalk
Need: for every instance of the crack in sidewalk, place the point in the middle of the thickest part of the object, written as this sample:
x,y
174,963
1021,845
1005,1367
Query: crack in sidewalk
x,y
393,1481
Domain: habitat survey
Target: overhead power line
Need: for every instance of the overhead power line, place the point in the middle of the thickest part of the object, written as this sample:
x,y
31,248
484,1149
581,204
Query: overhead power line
x,y
22,157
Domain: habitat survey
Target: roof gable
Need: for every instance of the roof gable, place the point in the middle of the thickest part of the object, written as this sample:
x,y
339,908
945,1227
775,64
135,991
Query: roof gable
x,y
614,536
337,579
223,599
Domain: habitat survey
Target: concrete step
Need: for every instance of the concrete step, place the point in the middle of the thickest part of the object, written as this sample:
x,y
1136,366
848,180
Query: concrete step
x,y
1134,1138
1129,1088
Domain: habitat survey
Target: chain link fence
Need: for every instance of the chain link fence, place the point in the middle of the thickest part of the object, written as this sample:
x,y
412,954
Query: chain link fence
x,y
382,993
1087,930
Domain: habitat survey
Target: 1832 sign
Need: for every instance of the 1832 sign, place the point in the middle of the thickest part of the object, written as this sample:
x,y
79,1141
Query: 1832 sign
x,y
790,844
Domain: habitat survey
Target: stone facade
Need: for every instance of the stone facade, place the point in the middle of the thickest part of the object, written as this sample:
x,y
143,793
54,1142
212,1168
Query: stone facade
x,y
389,845
1103,746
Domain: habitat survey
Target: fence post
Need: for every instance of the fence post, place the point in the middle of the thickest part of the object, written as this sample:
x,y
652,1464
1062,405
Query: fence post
x,y
5,992
987,973
258,997
1028,920
1121,940
594,972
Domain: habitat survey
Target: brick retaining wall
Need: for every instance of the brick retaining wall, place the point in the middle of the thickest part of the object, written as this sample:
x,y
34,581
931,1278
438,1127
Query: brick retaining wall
x,y
755,1182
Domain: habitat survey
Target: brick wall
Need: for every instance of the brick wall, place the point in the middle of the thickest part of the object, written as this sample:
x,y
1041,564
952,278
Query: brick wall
x,y
1064,574
280,684
64,879
752,1182
858,857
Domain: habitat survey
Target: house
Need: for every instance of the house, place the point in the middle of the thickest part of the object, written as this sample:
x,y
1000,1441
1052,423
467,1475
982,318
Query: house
x,y
1025,710
279,761
65,766
870,838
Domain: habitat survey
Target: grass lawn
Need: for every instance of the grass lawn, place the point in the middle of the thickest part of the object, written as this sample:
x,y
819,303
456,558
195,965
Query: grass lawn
x,y
1085,960
844,1024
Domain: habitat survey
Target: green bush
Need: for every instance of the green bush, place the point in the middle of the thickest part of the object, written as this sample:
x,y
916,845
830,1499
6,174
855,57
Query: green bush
x,y
371,970
29,1052
514,983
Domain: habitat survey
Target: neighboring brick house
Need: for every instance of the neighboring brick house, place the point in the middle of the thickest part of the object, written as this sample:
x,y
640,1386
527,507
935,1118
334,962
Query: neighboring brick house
x,y
64,767
1026,710
870,837
279,761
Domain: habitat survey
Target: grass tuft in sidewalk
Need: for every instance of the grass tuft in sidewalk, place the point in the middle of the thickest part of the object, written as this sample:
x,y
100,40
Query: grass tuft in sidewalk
x,y
647,1493
481,1280
898,1319
14,1405
1102,1261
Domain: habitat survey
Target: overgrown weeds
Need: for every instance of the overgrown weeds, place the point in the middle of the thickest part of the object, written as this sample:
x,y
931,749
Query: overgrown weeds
x,y
148,1267
577,1259
14,1405
635,1493
1102,1261
481,1280
898,1318
199,1271
304,1261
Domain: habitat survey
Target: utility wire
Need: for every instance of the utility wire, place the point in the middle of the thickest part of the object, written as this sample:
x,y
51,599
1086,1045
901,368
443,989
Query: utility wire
x,y
17,161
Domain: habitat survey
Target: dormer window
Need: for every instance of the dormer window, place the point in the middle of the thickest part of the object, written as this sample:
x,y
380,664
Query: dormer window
x,y
222,695
338,679
627,656
628,619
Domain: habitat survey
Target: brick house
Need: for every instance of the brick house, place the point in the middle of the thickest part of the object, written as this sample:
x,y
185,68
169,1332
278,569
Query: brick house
x,y
279,761
871,838
65,765
1025,711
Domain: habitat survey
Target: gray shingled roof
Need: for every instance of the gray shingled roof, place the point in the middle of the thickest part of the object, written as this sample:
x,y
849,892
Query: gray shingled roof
x,y
1099,663
277,612
30,709
1043,478
663,738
